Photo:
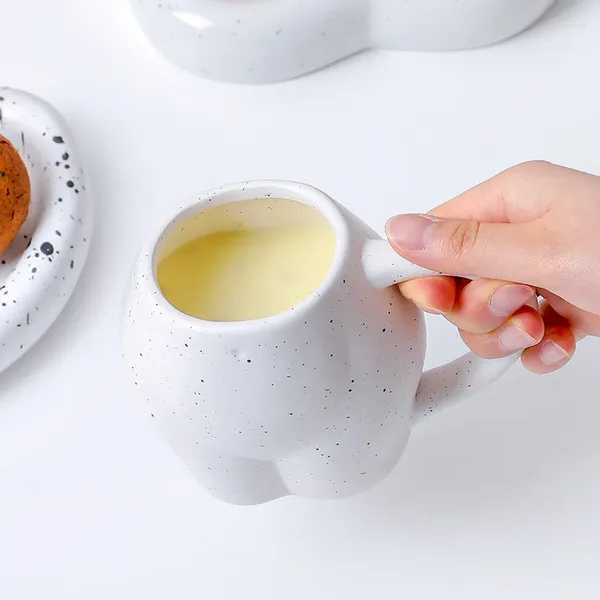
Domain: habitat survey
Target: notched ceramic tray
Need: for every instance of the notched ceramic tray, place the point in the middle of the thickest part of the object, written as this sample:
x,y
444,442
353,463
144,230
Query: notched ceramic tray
x,y
262,41
40,269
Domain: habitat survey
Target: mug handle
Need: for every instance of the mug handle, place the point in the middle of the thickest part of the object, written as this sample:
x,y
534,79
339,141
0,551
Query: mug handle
x,y
449,383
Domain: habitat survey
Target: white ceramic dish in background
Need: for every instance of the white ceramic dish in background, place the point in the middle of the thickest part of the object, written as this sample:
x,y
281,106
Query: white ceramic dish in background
x,y
258,41
40,269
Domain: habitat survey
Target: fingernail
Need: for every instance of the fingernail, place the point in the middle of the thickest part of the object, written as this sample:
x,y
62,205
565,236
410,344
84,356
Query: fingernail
x,y
509,298
409,231
552,354
513,338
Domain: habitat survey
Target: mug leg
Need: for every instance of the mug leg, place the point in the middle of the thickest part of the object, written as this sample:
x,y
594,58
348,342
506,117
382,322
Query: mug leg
x,y
235,480
328,470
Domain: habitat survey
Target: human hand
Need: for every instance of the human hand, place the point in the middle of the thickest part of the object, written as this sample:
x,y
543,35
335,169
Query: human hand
x,y
536,224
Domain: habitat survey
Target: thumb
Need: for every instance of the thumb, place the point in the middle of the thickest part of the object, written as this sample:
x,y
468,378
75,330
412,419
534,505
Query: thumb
x,y
508,251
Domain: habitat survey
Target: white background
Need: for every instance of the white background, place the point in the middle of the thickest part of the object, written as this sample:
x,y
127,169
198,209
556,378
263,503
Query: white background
x,y
499,498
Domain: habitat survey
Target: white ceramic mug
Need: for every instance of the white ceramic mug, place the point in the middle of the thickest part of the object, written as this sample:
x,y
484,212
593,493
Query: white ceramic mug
x,y
317,401
259,42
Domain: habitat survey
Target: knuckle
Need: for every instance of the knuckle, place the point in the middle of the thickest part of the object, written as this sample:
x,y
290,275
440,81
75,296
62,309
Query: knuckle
x,y
531,167
530,170
463,238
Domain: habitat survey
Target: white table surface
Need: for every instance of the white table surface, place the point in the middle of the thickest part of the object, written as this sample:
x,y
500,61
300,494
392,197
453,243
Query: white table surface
x,y
499,498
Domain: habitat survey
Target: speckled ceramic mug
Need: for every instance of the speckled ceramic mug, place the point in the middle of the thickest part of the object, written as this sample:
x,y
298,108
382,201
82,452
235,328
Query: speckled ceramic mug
x,y
317,401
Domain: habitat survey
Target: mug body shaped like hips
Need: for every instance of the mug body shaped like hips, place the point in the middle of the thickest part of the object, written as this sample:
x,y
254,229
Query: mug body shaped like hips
x,y
316,401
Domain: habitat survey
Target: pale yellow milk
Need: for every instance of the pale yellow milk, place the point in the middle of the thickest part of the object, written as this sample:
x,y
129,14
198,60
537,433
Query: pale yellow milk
x,y
247,274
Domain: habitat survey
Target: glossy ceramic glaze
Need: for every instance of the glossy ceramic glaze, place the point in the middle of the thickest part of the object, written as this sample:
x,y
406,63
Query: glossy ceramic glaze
x,y
38,272
258,41
317,401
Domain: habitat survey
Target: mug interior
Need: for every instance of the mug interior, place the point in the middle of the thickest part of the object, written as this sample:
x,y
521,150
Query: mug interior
x,y
241,217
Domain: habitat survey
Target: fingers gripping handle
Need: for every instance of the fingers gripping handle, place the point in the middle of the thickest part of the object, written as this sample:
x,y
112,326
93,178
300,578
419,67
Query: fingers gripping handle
x,y
445,385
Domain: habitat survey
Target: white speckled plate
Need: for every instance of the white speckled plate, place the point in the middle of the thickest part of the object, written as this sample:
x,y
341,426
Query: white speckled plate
x,y
40,269
258,41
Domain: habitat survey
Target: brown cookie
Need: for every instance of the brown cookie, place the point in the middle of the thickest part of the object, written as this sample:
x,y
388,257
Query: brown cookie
x,y
15,193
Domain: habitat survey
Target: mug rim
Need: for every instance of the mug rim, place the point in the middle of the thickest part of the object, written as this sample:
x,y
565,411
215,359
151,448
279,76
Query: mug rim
x,y
241,192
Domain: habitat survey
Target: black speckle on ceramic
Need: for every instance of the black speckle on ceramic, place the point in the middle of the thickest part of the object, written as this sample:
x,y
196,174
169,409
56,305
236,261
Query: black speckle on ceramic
x,y
47,248
39,270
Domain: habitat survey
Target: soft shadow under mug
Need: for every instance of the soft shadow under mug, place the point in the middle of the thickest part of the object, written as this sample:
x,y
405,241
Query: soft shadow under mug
x,y
317,401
